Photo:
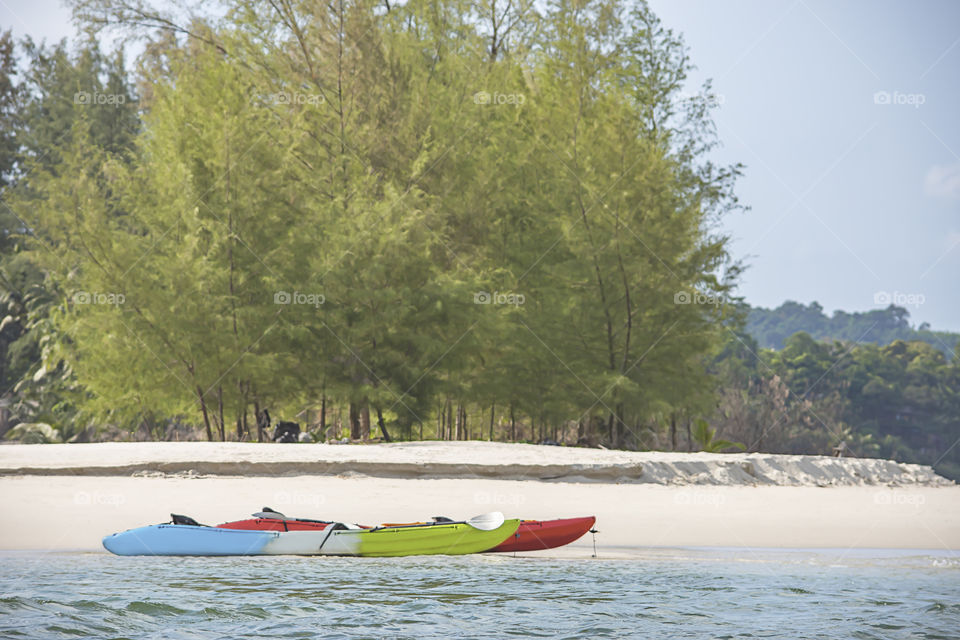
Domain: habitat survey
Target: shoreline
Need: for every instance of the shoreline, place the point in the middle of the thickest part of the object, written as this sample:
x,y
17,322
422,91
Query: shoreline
x,y
459,460
79,493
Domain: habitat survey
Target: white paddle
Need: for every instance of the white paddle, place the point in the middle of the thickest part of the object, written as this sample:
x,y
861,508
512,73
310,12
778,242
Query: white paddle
x,y
487,521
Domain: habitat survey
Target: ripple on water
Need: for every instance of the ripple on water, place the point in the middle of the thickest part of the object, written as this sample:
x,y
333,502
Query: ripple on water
x,y
75,595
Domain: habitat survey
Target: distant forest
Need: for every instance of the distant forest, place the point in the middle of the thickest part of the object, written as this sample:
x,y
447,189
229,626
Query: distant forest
x,y
772,327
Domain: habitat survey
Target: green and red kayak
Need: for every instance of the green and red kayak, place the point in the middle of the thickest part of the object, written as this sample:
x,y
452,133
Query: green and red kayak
x,y
531,535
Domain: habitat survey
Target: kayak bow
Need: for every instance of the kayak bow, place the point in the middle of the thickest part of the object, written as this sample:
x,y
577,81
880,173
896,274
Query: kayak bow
x,y
536,535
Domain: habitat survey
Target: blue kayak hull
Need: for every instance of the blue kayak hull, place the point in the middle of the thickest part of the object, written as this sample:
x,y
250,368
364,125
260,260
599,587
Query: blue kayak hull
x,y
187,540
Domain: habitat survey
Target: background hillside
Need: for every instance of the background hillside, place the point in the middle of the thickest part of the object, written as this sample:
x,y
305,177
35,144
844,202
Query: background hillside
x,y
772,327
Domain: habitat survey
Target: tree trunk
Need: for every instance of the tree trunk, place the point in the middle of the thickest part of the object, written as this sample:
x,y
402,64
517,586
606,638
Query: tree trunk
x,y
513,425
220,424
673,432
383,427
365,422
354,422
206,416
449,420
323,416
256,416
689,437
492,410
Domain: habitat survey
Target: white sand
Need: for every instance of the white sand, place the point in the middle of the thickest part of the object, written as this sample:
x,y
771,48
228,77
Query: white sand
x,y
59,497
460,460
68,512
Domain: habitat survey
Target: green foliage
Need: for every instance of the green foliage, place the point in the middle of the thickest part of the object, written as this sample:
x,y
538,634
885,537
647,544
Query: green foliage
x,y
705,437
10,104
56,92
345,155
897,401
33,433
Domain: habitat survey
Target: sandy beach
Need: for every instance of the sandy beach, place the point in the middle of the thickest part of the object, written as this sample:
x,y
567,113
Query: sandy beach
x,y
69,496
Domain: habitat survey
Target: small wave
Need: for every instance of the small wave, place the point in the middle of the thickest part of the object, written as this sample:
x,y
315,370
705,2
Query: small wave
x,y
154,608
946,563
69,631
941,607
236,614
18,603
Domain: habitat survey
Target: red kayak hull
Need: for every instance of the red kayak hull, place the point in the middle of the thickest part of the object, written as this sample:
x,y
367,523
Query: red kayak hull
x,y
536,535
271,524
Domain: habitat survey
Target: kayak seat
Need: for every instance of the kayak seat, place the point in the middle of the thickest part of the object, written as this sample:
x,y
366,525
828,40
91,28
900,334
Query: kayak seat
x,y
178,519
268,513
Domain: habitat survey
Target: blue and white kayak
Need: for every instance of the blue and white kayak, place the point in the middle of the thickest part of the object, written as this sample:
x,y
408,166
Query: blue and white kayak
x,y
187,540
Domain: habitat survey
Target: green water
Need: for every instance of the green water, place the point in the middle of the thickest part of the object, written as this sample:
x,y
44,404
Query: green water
x,y
660,594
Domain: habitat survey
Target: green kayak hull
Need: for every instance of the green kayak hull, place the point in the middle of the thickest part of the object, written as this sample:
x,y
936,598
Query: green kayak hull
x,y
430,539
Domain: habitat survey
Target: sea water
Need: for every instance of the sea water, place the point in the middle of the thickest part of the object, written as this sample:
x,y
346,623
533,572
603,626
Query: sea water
x,y
656,593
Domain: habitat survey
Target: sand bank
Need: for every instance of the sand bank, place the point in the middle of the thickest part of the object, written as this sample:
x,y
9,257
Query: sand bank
x,y
464,460
62,512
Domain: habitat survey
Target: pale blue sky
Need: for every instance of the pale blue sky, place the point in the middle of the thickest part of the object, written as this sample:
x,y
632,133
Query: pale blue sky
x,y
849,195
